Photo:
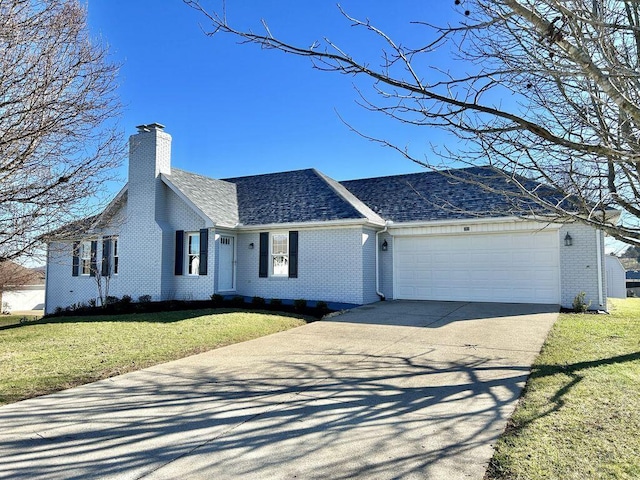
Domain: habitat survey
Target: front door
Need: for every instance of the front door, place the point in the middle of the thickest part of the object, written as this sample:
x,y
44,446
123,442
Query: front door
x,y
225,271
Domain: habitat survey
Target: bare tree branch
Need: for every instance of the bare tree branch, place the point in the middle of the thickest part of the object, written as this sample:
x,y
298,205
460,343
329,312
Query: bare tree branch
x,y
58,141
550,94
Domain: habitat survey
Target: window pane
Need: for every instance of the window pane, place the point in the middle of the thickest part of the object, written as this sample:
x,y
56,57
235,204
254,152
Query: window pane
x,y
279,244
194,264
194,243
280,265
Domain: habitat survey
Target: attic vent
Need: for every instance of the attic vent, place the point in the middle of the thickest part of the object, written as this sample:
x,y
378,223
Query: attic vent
x,y
466,229
225,240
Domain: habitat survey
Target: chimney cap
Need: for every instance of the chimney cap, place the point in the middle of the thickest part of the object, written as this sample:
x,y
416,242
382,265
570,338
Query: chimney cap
x,y
150,127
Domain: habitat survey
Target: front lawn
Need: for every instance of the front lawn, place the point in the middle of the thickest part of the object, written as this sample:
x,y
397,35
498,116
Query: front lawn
x,y
54,354
6,320
579,416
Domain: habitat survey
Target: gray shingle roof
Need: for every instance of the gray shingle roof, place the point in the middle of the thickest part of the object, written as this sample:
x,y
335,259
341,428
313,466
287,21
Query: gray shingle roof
x,y
430,196
292,197
216,198
309,196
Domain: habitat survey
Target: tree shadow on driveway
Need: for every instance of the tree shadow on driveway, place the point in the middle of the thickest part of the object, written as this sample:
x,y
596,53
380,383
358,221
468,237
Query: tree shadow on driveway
x,y
355,417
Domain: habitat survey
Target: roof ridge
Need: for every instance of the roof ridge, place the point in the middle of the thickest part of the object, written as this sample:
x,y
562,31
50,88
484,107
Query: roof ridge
x,y
344,193
267,174
431,171
198,175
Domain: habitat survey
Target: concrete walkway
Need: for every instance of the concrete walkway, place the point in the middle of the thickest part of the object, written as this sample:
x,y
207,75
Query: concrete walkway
x,y
394,390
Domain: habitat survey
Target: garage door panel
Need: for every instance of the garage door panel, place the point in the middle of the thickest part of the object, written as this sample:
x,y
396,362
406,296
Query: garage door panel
x,y
503,267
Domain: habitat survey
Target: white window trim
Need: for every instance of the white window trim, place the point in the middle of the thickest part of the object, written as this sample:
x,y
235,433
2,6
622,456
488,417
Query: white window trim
x,y
272,255
189,255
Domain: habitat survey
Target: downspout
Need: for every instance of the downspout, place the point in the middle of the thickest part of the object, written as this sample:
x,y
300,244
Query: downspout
x,y
599,257
378,292
46,279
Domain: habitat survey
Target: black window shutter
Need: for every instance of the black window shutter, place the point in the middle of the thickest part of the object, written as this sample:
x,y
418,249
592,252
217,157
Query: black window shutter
x,y
179,265
293,254
94,258
75,265
264,255
204,248
106,256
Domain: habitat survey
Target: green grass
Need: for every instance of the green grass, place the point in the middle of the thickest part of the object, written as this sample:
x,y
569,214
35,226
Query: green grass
x,y
6,320
54,354
579,416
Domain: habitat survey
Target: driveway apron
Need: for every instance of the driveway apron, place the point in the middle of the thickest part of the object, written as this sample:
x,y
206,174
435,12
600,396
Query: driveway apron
x,y
394,390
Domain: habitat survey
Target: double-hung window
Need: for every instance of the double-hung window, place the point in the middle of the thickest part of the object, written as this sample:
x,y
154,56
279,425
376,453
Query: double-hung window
x,y
280,255
116,256
193,253
110,256
85,258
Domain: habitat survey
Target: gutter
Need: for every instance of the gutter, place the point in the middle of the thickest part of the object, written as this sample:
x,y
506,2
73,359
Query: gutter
x,y
348,222
378,292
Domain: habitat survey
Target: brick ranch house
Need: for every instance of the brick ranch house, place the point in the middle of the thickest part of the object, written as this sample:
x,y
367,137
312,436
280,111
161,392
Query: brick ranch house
x,y
172,234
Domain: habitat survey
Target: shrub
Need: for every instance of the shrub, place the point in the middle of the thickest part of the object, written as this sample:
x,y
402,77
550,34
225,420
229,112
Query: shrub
x,y
300,304
579,305
93,303
237,301
258,302
144,299
322,306
217,299
111,300
126,300
275,302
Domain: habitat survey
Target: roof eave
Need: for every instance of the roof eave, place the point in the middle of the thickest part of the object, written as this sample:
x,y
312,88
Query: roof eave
x,y
313,224
477,220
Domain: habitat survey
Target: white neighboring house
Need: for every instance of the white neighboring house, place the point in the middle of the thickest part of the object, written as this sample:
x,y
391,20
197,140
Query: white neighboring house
x,y
23,298
616,277
172,234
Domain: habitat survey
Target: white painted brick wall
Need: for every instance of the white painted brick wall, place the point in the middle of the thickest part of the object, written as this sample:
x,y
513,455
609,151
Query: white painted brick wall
x,y
330,267
144,235
177,215
578,265
386,265
369,294
62,288
146,228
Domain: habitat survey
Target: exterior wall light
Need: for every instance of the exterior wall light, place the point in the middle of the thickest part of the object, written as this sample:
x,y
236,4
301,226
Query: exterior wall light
x,y
385,246
568,241
251,246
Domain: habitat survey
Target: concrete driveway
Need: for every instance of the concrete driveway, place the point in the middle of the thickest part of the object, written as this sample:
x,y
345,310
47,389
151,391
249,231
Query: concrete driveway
x,y
392,390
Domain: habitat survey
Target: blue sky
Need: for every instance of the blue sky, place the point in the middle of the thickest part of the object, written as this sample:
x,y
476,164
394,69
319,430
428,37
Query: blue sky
x,y
238,110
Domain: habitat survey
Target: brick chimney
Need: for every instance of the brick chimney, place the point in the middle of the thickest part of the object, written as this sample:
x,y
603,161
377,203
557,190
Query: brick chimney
x,y
149,156
146,236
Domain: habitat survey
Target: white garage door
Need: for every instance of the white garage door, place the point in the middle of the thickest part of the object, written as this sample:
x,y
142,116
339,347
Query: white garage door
x,y
502,267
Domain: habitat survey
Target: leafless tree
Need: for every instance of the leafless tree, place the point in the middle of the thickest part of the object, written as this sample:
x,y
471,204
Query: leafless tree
x,y
58,138
546,91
